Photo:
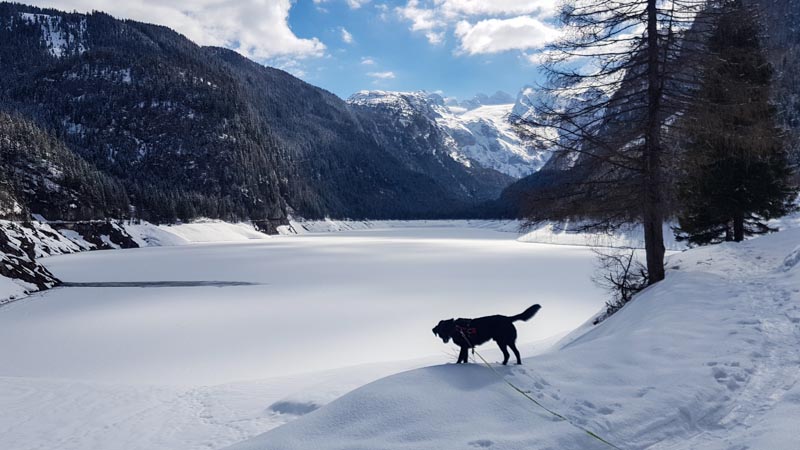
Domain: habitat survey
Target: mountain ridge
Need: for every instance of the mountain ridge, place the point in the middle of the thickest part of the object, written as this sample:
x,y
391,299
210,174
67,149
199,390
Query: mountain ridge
x,y
484,136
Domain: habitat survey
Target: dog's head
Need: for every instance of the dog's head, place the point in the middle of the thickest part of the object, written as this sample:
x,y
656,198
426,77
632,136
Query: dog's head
x,y
444,329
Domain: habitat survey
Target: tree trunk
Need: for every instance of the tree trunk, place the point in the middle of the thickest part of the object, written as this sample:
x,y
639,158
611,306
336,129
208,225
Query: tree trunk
x,y
653,217
729,232
738,227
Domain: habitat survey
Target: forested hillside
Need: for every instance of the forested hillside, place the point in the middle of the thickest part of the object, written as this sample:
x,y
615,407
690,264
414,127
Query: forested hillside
x,y
579,182
187,131
37,173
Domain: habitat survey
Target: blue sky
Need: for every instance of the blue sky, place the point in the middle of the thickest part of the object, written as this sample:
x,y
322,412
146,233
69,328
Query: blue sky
x,y
383,44
458,47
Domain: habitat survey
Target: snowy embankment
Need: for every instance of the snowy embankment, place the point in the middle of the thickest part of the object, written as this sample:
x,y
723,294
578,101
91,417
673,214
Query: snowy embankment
x,y
708,358
20,246
625,237
24,244
199,231
545,233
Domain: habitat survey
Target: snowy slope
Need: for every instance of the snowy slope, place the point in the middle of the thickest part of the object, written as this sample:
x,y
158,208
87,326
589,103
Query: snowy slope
x,y
482,136
486,135
706,359
198,231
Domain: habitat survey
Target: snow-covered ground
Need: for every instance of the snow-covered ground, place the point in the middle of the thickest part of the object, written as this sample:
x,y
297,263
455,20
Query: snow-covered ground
x,y
173,363
208,345
707,359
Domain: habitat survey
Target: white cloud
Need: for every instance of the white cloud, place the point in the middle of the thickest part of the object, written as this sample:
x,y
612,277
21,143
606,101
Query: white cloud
x,y
256,28
355,4
383,11
464,8
382,75
422,19
367,61
537,58
499,35
291,65
435,37
482,26
347,38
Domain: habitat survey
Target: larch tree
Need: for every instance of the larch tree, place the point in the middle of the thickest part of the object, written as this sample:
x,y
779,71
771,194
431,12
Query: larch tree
x,y
615,81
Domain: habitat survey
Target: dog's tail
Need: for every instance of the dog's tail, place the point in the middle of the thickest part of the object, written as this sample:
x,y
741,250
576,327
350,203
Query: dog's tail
x,y
527,314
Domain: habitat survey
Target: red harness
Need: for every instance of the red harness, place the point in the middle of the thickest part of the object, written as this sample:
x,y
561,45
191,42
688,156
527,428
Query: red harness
x,y
466,330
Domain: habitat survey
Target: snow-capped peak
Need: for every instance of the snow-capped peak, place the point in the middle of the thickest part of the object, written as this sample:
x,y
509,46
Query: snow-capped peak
x,y
524,105
407,103
477,135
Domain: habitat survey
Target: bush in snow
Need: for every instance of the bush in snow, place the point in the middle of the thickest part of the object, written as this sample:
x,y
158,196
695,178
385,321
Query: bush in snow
x,y
622,275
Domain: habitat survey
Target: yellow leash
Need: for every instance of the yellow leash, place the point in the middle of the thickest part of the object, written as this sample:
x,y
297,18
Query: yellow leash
x,y
526,395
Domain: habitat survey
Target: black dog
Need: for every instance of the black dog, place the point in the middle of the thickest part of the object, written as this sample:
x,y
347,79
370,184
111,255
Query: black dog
x,y
467,333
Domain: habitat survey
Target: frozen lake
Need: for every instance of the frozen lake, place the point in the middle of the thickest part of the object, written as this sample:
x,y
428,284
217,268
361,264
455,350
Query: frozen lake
x,y
318,302
149,339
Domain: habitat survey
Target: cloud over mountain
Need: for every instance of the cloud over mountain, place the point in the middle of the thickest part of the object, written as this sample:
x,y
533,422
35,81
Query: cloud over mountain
x,y
251,27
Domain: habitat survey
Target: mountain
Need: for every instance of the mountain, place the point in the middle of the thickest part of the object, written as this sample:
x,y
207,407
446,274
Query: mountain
x,y
190,131
483,138
498,98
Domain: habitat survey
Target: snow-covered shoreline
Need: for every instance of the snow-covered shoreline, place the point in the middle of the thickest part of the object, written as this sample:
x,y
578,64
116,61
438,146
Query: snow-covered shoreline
x,y
43,239
56,238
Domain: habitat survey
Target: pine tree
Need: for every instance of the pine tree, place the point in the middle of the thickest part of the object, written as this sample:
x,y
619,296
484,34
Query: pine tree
x,y
735,173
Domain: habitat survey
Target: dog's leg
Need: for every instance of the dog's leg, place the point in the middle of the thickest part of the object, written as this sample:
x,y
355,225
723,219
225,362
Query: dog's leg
x,y
516,352
463,355
503,349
